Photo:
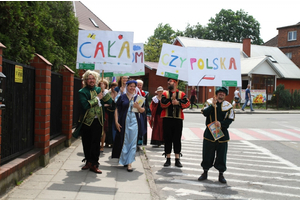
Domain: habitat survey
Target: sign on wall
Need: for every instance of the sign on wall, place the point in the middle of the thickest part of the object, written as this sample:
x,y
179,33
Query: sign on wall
x,y
18,74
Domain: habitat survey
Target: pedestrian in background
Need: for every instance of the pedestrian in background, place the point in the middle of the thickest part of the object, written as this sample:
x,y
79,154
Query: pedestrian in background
x,y
237,98
193,97
248,99
92,99
173,102
128,126
214,152
111,109
156,122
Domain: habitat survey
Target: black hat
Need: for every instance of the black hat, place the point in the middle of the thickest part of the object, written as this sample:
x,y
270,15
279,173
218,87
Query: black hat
x,y
222,89
173,79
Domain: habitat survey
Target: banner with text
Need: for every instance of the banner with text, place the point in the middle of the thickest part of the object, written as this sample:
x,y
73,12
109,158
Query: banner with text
x,y
138,62
201,66
105,50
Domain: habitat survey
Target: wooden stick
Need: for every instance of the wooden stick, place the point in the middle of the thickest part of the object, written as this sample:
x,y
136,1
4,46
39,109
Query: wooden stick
x,y
215,105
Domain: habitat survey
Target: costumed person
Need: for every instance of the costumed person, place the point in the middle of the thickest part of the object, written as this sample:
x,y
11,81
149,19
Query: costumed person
x,y
193,97
128,125
111,109
121,88
145,117
214,152
156,122
173,102
106,121
92,99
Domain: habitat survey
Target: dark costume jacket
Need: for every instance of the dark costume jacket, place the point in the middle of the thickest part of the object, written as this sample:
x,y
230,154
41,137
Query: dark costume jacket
x,y
170,110
225,115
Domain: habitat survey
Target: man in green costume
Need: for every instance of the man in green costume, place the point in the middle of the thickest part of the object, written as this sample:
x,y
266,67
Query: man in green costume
x,y
218,147
92,99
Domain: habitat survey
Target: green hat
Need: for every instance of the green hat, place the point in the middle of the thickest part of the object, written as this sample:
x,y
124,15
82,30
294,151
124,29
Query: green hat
x,y
222,89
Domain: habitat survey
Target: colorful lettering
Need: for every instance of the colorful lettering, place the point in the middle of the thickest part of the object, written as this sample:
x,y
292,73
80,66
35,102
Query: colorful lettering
x,y
175,57
222,63
192,60
232,62
200,64
81,51
126,46
208,67
139,55
181,62
99,47
162,59
216,65
109,46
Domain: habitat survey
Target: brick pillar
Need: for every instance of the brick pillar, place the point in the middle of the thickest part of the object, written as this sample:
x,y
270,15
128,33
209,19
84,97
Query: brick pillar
x,y
67,103
1,53
42,106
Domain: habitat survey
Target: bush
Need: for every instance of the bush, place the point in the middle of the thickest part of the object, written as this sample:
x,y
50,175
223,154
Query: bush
x,y
281,97
296,98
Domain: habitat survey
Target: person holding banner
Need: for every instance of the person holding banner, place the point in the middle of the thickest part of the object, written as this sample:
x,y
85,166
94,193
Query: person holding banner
x,y
128,126
92,101
172,103
156,122
106,121
142,139
214,151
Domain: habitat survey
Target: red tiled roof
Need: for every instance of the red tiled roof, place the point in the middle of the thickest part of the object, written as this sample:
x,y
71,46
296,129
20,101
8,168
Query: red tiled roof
x,y
83,14
272,42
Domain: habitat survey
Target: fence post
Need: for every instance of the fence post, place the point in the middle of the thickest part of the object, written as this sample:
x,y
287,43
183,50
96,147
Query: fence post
x,y
67,103
1,53
42,106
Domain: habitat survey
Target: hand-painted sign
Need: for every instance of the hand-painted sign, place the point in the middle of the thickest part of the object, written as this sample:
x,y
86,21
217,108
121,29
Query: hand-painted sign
x,y
202,66
105,50
138,67
173,62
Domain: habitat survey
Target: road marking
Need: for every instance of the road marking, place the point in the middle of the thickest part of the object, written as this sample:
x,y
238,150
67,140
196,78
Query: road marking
x,y
269,135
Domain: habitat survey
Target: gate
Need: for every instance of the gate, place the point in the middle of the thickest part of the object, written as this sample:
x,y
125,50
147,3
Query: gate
x,y
56,104
18,117
77,87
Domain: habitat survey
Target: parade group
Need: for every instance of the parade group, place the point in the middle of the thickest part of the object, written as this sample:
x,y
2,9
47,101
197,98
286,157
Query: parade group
x,y
111,114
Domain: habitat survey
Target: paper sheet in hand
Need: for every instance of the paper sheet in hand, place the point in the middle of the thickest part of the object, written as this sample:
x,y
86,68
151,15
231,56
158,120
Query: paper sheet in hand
x,y
140,100
215,131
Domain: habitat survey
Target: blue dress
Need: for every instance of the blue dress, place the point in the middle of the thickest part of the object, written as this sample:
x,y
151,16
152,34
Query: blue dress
x,y
125,142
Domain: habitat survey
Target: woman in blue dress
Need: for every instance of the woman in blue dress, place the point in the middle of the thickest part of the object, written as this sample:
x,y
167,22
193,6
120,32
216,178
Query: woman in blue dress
x,y
128,126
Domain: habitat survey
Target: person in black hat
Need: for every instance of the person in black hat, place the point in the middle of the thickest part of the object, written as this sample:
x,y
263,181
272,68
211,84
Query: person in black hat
x,y
172,103
214,152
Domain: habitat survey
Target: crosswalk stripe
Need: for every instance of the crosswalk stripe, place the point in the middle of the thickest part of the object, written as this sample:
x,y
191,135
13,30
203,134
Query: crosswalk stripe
x,y
194,134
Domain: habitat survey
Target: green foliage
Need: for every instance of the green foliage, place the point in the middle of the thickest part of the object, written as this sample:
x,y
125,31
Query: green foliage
x,y
48,28
196,31
296,99
181,85
281,97
162,34
234,27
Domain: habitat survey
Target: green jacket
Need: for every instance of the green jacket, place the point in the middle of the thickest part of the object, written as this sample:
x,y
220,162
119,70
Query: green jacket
x,y
89,107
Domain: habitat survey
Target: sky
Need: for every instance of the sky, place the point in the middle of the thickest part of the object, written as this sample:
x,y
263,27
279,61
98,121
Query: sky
x,y
143,16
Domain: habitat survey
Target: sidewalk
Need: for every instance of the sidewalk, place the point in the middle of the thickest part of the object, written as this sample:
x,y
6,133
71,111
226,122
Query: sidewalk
x,y
247,111
64,179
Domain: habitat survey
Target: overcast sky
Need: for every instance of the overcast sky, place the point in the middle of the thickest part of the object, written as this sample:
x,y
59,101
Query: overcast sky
x,y
143,16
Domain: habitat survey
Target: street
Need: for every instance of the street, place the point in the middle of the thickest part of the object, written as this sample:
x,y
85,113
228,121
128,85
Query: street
x,y
262,161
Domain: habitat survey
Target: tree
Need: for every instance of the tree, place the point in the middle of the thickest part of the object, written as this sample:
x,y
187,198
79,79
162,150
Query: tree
x,y
233,27
197,31
48,28
162,34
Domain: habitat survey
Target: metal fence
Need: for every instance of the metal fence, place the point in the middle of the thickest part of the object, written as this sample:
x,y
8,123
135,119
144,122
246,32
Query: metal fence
x,y
77,87
56,104
18,117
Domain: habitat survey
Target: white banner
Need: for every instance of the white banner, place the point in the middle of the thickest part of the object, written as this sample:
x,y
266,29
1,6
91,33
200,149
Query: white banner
x,y
173,62
201,66
105,50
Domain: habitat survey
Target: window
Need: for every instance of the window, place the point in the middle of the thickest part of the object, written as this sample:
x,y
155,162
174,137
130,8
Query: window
x,y
292,35
95,24
289,55
271,59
